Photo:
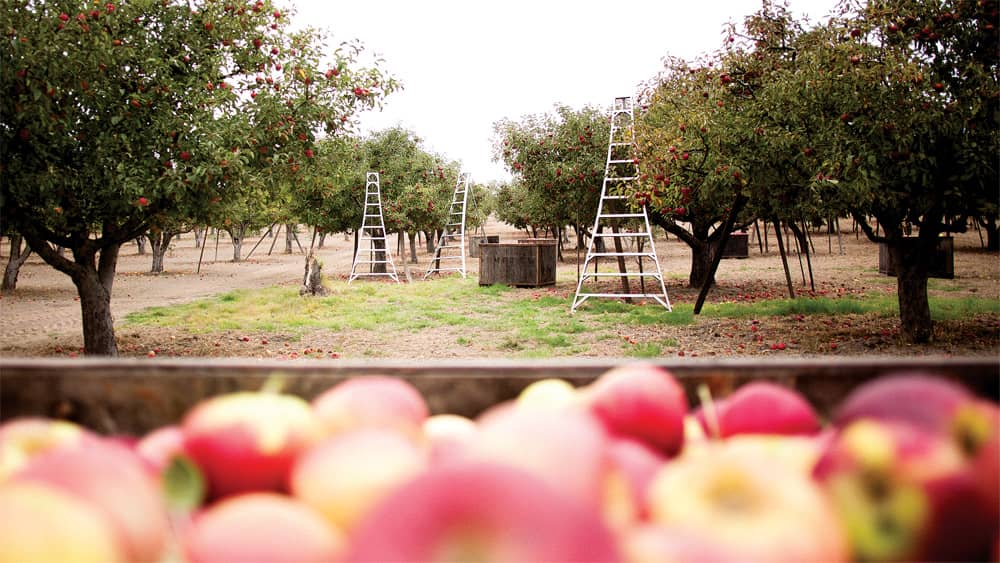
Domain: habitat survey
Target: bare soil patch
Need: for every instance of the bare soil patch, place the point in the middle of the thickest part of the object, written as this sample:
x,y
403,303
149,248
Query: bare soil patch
x,y
42,318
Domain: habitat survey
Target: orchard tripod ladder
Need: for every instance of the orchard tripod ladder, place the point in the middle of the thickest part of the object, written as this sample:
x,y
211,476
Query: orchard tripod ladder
x,y
453,238
621,170
372,231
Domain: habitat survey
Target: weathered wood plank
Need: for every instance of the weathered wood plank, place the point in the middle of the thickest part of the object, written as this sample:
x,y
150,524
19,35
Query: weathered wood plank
x,y
133,395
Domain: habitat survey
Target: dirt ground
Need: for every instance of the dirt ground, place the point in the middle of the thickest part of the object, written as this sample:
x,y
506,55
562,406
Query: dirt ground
x,y
42,317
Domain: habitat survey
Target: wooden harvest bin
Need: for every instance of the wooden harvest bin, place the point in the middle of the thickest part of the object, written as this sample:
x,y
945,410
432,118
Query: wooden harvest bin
x,y
521,264
475,241
133,396
943,265
737,246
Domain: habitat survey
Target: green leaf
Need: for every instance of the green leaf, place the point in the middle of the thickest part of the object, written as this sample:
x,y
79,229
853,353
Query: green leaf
x,y
116,119
183,484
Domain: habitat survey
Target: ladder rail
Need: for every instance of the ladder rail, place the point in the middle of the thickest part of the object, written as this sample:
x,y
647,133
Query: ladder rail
x,y
620,169
369,233
454,231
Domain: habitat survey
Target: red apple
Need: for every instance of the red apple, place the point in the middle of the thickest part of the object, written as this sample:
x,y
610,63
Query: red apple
x,y
448,435
44,523
115,481
371,401
248,441
761,407
745,502
344,476
642,402
481,512
262,527
925,400
905,493
160,446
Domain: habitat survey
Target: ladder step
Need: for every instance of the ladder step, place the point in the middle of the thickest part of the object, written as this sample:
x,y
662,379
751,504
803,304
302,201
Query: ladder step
x,y
613,235
622,179
657,296
622,215
629,161
614,197
606,254
620,274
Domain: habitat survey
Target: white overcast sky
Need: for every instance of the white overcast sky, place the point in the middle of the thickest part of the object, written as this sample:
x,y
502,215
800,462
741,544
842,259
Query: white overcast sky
x,y
467,64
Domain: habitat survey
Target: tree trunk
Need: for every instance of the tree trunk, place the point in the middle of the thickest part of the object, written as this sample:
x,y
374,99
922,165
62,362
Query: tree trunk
x,y
237,237
992,233
289,237
702,256
199,236
379,267
14,262
159,243
413,246
912,260
322,239
140,243
429,237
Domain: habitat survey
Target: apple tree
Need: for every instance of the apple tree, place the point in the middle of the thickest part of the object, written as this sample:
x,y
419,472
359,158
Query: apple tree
x,y
559,159
118,113
910,95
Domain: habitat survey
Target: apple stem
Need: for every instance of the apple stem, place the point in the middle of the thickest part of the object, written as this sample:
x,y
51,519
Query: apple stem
x,y
708,406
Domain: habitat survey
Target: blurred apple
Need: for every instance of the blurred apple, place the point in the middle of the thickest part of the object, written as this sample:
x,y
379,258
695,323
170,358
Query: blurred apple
x,y
647,543
548,393
632,467
547,444
642,402
371,401
345,475
918,398
761,407
43,523
481,512
261,527
114,481
747,503
448,435
248,441
905,493
161,445
23,438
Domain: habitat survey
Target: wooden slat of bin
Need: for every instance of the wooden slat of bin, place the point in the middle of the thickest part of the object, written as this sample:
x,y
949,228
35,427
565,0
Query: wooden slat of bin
x,y
134,396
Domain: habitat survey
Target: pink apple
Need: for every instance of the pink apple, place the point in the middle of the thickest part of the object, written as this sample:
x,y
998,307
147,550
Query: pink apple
x,y
114,481
632,467
917,398
647,543
748,504
448,435
642,402
44,523
248,441
261,527
158,447
546,443
344,476
371,401
905,493
761,407
24,438
481,512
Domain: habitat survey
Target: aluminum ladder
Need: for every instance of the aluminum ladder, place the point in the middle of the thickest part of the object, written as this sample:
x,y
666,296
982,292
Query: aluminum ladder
x,y
620,171
372,230
451,246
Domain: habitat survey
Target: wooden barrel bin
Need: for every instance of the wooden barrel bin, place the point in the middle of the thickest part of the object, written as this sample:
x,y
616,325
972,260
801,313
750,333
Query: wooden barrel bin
x,y
521,264
134,396
943,265
475,241
737,246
